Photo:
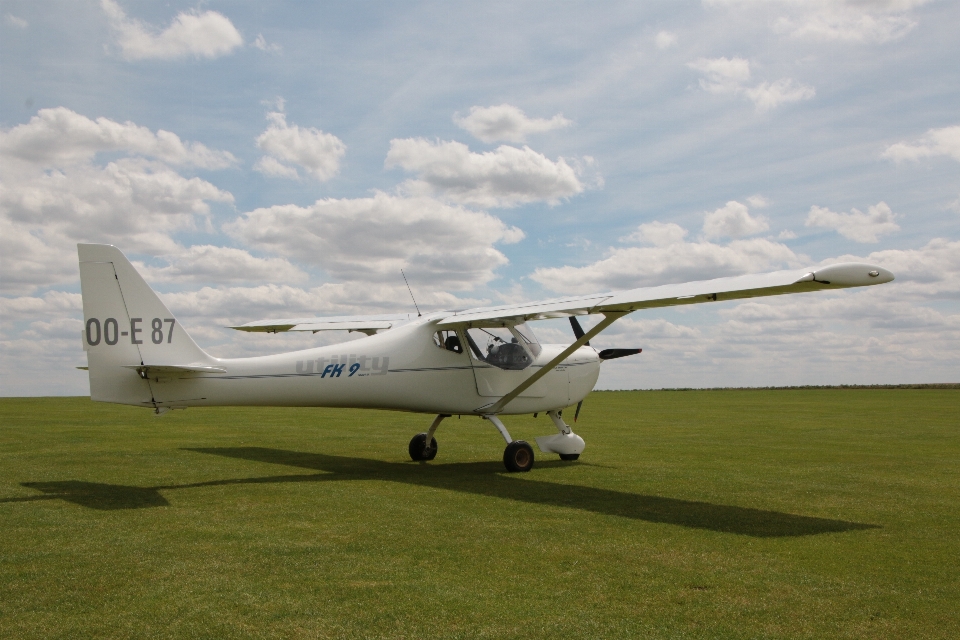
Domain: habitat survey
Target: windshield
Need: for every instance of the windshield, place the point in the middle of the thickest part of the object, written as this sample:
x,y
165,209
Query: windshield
x,y
502,347
530,340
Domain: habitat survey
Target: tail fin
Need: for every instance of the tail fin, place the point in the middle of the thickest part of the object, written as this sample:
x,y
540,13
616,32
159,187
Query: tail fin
x,y
127,329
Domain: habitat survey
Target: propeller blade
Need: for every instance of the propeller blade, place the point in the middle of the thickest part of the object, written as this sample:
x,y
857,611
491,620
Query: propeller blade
x,y
577,330
610,354
577,414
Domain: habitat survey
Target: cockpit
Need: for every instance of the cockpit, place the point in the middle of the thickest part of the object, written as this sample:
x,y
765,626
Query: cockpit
x,y
513,348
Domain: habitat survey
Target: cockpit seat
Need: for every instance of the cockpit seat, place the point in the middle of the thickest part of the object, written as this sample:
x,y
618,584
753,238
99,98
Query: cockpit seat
x,y
452,343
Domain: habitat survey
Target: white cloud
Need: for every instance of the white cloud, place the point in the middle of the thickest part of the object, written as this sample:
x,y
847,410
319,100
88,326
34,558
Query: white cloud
x,y
722,75
124,197
317,152
874,21
14,21
758,201
665,39
733,220
504,177
786,234
730,75
370,239
656,328
506,122
53,195
270,166
856,225
659,234
261,43
235,305
936,142
668,262
58,137
29,260
129,202
768,95
31,308
202,35
208,263
851,21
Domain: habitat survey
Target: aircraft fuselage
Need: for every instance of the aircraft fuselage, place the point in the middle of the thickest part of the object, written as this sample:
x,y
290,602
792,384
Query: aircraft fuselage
x,y
403,369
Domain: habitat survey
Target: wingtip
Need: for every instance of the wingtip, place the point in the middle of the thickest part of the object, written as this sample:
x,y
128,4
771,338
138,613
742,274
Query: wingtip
x,y
852,274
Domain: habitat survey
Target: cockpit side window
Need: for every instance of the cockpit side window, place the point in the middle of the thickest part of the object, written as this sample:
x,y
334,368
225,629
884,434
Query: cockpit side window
x,y
500,347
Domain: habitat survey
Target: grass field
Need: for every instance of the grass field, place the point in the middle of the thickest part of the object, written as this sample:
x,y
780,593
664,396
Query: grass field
x,y
692,514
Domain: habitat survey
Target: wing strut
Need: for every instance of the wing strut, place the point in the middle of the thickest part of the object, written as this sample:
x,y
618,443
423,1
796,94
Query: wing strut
x,y
497,407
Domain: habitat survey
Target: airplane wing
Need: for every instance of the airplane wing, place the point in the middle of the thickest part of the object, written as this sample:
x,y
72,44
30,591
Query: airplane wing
x,y
836,276
612,305
617,304
363,324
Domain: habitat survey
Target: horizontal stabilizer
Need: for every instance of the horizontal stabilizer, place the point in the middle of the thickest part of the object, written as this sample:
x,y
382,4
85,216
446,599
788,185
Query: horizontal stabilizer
x,y
363,324
148,370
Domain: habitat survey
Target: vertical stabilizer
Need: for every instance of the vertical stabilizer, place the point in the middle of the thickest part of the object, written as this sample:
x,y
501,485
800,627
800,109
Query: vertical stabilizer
x,y
125,324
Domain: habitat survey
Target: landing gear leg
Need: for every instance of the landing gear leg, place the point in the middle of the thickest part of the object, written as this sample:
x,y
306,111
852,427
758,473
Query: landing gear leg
x,y
518,456
566,443
423,446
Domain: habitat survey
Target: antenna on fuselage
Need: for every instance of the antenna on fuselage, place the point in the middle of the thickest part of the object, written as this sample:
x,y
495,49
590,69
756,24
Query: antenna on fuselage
x,y
411,292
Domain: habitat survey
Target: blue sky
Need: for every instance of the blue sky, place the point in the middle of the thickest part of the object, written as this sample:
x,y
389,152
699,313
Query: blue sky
x,y
275,159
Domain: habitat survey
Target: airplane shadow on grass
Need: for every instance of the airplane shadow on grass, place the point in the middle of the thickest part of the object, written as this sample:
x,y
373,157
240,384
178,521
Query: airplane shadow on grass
x,y
479,478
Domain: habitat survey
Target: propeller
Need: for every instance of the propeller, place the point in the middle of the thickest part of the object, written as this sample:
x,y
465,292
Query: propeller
x,y
577,329
610,354
605,354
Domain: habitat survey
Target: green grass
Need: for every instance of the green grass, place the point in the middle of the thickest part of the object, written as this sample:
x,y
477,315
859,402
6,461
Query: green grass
x,y
695,514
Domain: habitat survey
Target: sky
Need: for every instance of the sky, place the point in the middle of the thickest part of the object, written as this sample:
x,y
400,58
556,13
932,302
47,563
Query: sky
x,y
274,159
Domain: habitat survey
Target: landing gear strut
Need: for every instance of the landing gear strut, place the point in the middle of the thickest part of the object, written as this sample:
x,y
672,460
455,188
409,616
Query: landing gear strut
x,y
565,443
423,446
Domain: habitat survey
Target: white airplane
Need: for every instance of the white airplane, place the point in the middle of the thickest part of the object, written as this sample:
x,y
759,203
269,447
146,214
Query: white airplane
x,y
483,361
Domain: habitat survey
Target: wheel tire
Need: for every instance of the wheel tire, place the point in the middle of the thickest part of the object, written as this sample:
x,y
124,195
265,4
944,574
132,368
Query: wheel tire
x,y
418,448
518,456
569,456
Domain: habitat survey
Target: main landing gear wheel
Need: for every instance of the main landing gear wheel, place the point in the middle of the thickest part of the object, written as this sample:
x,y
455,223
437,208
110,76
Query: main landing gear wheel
x,y
418,448
518,456
569,456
